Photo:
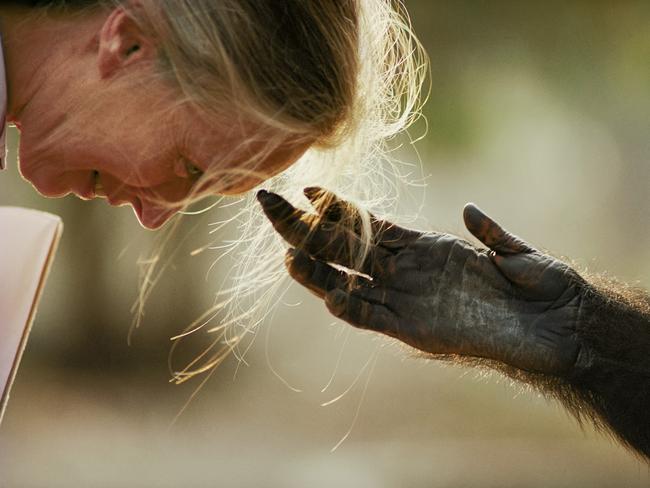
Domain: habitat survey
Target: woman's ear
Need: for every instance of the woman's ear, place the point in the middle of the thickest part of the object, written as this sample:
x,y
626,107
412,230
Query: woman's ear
x,y
122,43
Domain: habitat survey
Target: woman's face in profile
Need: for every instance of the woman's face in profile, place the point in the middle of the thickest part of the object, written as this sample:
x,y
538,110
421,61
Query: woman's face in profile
x,y
113,129
137,148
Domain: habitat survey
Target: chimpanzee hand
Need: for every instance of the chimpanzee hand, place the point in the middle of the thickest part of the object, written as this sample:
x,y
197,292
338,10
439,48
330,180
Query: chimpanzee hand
x,y
434,291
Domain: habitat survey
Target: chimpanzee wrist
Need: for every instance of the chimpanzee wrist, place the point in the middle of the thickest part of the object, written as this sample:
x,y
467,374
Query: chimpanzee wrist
x,y
609,332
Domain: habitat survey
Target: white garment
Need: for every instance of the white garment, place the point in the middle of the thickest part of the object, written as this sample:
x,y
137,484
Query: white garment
x,y
29,240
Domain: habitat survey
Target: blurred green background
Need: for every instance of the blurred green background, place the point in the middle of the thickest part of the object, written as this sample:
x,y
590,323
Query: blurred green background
x,y
539,112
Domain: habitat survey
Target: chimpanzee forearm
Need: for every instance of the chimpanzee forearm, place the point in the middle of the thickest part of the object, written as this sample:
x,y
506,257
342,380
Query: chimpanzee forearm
x,y
612,373
610,383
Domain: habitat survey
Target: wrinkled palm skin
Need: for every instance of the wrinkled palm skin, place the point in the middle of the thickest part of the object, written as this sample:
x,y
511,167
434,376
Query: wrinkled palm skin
x,y
436,292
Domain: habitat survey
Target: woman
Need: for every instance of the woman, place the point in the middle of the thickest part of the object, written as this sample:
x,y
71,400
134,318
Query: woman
x,y
158,103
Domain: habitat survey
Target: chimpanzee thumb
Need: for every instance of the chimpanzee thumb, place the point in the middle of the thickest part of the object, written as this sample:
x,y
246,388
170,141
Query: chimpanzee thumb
x,y
492,234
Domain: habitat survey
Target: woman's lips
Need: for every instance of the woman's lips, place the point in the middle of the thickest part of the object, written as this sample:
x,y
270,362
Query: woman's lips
x,y
92,187
86,190
99,186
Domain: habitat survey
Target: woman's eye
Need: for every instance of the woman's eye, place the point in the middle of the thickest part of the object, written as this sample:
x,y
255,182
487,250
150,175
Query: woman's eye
x,y
192,169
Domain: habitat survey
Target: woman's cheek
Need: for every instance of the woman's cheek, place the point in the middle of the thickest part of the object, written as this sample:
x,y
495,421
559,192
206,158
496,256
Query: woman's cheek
x,y
139,170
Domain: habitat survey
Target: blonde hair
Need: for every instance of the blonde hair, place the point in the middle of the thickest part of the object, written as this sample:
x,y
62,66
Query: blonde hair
x,y
343,76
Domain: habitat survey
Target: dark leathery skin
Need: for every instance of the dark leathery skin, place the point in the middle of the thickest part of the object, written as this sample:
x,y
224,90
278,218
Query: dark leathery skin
x,y
435,291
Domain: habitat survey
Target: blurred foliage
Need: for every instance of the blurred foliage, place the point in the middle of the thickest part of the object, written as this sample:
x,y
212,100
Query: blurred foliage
x,y
590,54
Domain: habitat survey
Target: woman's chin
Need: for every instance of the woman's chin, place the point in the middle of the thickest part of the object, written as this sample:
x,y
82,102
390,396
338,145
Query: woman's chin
x,y
152,224
151,218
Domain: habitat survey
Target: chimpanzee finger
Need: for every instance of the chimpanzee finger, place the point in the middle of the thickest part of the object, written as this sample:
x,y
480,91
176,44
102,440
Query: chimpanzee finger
x,y
320,278
362,313
293,224
302,230
317,276
331,208
325,241
492,234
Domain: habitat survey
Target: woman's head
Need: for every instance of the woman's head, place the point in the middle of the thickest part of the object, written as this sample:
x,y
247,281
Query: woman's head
x,y
160,102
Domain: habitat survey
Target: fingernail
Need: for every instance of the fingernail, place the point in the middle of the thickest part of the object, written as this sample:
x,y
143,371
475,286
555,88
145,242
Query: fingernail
x,y
267,198
469,209
473,215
